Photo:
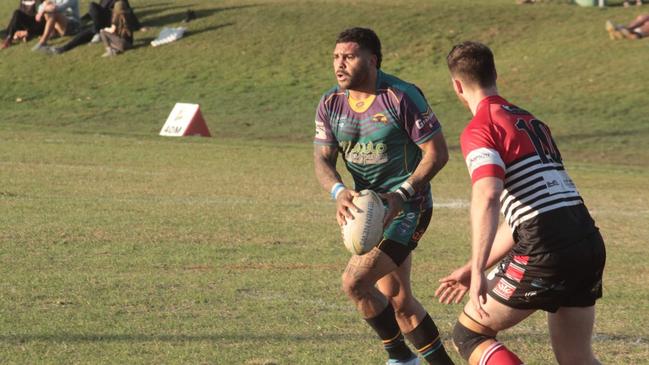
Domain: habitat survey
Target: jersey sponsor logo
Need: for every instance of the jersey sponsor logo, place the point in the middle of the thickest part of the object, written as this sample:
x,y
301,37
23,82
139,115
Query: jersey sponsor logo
x,y
428,119
379,118
504,289
409,221
342,120
320,132
404,228
365,153
533,187
481,157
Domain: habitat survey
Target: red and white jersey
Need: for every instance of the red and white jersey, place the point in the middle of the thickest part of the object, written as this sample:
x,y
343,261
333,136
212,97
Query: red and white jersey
x,y
507,142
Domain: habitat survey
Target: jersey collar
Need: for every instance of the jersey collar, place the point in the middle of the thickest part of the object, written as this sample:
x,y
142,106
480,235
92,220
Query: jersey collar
x,y
491,99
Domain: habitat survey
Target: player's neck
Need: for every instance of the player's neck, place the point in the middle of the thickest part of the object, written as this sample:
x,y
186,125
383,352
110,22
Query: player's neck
x,y
366,89
475,96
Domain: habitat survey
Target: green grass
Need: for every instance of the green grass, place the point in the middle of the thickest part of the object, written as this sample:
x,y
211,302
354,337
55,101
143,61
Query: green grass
x,y
119,246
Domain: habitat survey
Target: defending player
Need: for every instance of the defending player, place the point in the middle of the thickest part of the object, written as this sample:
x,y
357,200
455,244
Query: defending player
x,y
552,253
391,143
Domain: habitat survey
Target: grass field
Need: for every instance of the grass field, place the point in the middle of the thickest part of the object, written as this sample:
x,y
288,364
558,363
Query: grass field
x,y
121,247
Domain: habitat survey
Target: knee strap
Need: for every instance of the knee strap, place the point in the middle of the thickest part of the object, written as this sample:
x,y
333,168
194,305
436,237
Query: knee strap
x,y
469,334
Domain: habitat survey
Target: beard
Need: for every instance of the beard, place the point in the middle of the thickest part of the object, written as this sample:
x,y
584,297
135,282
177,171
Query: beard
x,y
356,80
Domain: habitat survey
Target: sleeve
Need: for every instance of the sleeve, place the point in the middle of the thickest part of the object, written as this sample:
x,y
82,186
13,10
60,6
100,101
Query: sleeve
x,y
482,153
323,133
419,121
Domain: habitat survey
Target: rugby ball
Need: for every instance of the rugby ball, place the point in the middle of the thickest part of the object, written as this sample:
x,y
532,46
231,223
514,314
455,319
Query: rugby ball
x,y
365,231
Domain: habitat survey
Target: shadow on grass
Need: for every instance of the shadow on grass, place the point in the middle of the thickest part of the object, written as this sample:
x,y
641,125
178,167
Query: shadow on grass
x,y
178,17
150,10
208,29
146,41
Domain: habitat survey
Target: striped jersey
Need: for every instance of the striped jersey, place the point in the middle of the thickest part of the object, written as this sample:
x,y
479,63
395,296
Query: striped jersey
x,y
540,201
378,138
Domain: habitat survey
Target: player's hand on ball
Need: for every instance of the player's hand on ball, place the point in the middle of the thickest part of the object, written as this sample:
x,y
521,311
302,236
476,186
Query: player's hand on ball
x,y
344,206
453,287
395,204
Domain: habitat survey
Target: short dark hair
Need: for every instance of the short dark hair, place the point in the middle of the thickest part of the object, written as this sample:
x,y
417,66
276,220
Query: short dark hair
x,y
366,39
473,62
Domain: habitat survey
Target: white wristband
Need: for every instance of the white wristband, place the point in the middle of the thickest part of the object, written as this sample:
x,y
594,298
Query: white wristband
x,y
409,188
401,194
336,190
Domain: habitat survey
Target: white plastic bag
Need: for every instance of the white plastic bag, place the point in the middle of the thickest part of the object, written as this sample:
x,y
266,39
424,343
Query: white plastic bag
x,y
168,35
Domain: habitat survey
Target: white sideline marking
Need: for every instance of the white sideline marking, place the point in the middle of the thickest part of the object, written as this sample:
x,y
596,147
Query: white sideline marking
x,y
451,204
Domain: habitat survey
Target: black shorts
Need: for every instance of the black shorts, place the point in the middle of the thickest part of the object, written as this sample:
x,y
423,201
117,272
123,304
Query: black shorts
x,y
570,277
398,252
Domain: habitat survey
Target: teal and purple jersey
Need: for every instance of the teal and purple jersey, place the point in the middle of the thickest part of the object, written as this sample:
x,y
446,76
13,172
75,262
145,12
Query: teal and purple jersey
x,y
379,137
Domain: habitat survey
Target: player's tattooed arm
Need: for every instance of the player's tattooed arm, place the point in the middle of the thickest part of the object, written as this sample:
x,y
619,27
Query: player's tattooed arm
x,y
324,159
435,157
325,170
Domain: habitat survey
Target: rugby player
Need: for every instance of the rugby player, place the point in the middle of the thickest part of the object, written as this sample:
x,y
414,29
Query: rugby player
x,y
552,253
392,143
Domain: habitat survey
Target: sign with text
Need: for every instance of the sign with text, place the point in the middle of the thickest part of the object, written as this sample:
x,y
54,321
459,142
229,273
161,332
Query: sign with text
x,y
185,120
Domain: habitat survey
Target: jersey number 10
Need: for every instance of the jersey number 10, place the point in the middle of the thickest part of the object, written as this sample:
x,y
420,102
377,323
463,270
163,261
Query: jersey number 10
x,y
541,139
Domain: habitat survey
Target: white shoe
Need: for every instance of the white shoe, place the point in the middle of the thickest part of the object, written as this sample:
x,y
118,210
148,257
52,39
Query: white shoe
x,y
40,48
109,53
95,39
413,361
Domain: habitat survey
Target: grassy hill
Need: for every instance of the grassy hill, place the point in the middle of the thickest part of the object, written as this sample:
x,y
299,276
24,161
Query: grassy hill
x,y
119,246
258,68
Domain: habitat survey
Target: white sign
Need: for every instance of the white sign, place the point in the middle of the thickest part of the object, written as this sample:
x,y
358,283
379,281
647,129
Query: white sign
x,y
185,120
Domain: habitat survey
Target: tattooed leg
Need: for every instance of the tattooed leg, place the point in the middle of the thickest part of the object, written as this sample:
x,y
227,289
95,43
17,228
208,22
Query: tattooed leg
x,y
359,281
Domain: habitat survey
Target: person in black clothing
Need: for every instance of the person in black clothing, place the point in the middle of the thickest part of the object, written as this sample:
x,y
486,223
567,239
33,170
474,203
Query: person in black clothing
x,y
100,14
23,22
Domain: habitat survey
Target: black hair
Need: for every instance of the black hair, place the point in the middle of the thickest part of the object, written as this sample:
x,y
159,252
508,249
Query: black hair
x,y
366,39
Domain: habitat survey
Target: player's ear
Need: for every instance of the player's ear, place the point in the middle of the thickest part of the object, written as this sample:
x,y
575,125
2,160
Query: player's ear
x,y
374,60
457,85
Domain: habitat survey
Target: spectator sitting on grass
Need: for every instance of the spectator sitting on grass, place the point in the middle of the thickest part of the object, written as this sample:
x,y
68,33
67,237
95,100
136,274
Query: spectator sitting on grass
x,y
638,28
100,14
637,2
119,37
61,16
23,23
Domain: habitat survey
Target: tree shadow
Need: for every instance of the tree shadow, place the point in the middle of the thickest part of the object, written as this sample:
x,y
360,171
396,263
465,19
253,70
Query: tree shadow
x,y
178,17
146,41
149,10
207,29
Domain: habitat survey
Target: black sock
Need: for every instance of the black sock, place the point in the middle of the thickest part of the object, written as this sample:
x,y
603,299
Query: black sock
x,y
386,326
425,338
